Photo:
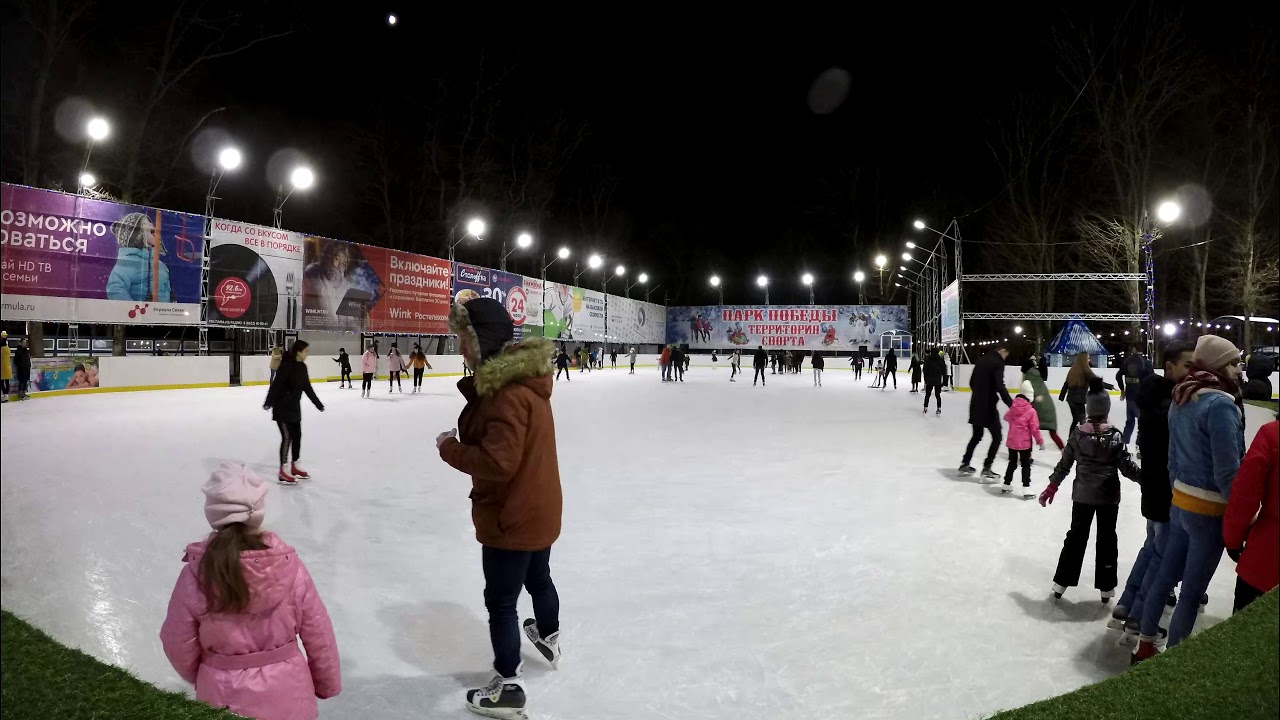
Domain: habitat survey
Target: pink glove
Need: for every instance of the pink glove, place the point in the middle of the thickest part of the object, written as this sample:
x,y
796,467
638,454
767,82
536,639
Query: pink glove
x,y
1046,497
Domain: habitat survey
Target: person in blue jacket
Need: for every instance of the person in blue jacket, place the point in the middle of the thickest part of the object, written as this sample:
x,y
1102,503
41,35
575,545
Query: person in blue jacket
x,y
131,277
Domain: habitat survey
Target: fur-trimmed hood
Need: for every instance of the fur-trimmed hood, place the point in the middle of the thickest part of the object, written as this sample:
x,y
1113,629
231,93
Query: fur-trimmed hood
x,y
523,360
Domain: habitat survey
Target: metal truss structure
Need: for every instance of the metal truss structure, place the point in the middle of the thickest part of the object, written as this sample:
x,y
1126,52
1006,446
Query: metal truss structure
x,y
1100,317
1024,277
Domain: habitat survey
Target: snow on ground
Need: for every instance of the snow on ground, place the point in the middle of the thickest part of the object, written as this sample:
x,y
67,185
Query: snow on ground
x,y
728,551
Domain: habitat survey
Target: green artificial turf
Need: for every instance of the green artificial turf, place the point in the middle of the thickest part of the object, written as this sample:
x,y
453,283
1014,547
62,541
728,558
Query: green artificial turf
x,y
1230,671
1268,404
40,678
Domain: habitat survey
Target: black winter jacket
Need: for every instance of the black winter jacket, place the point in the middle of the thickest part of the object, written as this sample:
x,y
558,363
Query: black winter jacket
x,y
935,368
22,362
1155,394
987,384
891,362
818,362
1100,456
761,360
344,362
916,367
284,397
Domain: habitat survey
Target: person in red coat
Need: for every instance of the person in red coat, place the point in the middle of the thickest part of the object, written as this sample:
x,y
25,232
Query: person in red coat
x,y
1253,544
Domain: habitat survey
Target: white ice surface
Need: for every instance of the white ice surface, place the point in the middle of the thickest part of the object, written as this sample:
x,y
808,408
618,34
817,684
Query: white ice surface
x,y
728,551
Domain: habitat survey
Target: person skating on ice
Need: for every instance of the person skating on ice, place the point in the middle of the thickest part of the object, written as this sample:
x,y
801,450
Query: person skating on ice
x,y
677,363
949,382
395,366
1024,427
562,366
632,357
1079,379
1154,396
735,365
987,385
613,358
890,370
914,368
818,364
664,363
344,367
418,360
1046,411
1132,370
1206,444
1251,527
284,400
239,607
856,362
506,442
368,368
1098,452
758,363
935,373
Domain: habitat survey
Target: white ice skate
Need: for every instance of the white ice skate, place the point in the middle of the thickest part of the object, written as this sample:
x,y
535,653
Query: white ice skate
x,y
548,646
1058,590
502,698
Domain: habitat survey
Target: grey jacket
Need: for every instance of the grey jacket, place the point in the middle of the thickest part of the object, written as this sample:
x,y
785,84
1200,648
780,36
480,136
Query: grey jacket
x,y
1101,456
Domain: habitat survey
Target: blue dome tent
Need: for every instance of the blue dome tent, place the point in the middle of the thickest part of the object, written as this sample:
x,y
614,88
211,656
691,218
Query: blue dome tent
x,y
1074,338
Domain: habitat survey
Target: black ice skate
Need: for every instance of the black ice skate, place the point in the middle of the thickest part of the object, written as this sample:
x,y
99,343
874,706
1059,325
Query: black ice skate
x,y
965,469
989,474
502,698
548,646
938,412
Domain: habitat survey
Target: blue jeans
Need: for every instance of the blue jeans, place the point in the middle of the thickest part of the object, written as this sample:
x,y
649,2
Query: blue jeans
x,y
1191,554
1131,411
1145,568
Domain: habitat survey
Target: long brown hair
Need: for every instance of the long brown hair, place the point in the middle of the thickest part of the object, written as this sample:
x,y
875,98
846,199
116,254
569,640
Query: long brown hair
x,y
221,578
1080,373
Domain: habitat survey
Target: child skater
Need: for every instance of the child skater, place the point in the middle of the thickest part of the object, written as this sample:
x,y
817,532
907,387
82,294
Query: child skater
x,y
239,607
368,367
1100,450
1023,426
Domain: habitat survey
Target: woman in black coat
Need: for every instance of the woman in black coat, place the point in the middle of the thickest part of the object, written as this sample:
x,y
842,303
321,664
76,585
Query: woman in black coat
x,y
284,400
915,368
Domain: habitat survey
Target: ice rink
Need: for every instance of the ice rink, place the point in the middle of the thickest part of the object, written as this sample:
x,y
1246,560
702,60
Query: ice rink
x,y
728,551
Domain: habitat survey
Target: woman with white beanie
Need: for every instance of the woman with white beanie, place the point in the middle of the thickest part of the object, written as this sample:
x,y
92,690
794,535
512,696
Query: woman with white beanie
x,y
1206,443
239,607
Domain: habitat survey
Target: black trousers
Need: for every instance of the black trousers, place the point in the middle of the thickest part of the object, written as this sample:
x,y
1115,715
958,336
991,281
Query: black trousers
x,y
857,372
633,366
4,387
564,370
366,385
417,376
346,378
937,392
733,371
505,572
758,376
1077,413
290,437
996,437
1015,457
1245,594
394,379
1073,547
677,371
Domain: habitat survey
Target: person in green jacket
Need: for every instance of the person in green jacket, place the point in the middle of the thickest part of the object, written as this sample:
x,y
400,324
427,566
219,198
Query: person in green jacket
x,y
1046,411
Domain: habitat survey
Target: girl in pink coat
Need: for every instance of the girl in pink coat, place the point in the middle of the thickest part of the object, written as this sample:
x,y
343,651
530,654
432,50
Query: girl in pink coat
x,y
239,607
1024,425
368,366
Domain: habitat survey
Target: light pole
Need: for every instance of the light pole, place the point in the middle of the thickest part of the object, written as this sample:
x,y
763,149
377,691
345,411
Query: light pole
x,y
715,283
763,282
523,241
563,254
300,179
228,160
87,180
96,130
620,271
641,280
1168,213
881,262
593,262
807,279
475,229
859,277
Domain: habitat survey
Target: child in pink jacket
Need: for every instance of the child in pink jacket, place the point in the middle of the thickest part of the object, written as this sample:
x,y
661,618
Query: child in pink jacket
x,y
1023,426
368,366
239,607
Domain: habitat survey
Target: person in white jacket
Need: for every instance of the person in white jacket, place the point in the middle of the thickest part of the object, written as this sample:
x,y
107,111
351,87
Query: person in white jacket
x,y
946,381
632,355
735,364
395,366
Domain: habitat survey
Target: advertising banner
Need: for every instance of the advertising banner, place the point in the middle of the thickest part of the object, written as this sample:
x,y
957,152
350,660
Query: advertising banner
x,y
830,327
951,312
532,307
65,372
255,276
359,288
589,321
636,321
471,281
558,312
73,259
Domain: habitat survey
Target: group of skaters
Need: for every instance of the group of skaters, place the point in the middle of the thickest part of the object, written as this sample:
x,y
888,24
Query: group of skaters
x,y
587,360
244,598
397,365
1201,493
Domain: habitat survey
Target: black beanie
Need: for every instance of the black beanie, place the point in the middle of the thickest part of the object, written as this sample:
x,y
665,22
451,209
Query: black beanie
x,y
492,325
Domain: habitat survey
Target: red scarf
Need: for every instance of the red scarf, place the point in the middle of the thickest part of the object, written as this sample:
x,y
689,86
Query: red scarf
x,y
1200,379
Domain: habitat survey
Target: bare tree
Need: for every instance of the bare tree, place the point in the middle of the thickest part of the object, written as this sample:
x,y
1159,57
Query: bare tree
x,y
53,23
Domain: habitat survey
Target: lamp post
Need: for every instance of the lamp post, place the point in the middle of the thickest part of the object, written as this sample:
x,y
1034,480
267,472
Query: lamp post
x,y
763,282
475,229
1167,213
300,179
523,241
859,277
96,130
620,271
229,159
593,262
715,283
641,280
563,254
881,262
87,180
807,279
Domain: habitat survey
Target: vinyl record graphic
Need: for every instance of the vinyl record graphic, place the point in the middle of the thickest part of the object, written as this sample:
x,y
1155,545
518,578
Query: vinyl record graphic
x,y
242,288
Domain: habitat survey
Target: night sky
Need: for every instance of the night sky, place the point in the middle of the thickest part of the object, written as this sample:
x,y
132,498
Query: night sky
x,y
703,117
